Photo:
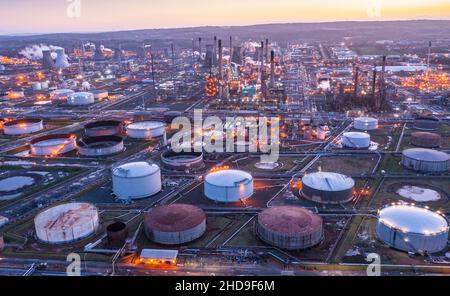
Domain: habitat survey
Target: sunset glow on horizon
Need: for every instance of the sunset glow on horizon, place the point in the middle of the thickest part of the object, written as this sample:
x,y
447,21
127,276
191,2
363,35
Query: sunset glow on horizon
x,y
44,16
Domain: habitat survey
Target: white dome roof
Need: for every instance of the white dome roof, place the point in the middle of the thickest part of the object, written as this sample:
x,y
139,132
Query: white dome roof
x,y
145,125
413,219
426,154
227,178
136,169
356,135
326,181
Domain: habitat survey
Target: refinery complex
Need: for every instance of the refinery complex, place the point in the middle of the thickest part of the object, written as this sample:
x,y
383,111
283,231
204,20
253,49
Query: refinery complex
x,y
94,161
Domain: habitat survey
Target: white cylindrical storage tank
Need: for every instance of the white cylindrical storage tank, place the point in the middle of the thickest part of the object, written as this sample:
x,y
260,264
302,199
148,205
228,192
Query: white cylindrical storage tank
x,y
289,227
175,224
412,229
22,127
327,188
66,223
53,145
61,94
426,160
36,86
146,129
356,140
228,185
44,84
136,180
365,123
81,98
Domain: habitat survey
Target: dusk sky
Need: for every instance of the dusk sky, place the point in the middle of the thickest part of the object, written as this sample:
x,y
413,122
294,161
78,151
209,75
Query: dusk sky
x,y
44,16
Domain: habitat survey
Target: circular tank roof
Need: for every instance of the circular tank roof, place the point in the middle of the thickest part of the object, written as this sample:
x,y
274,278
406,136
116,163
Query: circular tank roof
x,y
289,220
356,135
66,216
174,218
426,154
413,219
145,125
366,119
228,178
326,181
426,136
136,169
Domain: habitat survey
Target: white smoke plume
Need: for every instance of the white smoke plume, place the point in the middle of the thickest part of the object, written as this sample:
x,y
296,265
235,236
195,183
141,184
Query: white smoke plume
x,y
34,52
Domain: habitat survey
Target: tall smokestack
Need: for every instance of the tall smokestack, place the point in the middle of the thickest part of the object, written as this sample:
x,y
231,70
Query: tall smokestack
x,y
355,94
374,81
200,46
215,51
153,74
193,51
429,56
272,69
173,54
382,84
220,60
263,78
61,59
267,51
47,60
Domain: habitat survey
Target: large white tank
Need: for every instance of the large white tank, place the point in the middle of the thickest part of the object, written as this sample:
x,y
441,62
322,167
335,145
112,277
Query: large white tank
x,y
61,59
81,98
146,129
136,180
228,185
356,140
365,123
61,94
412,229
22,127
327,187
66,223
426,160
53,145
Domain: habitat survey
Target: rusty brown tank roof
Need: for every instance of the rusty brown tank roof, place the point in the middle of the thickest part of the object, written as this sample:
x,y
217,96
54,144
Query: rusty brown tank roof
x,y
290,220
174,218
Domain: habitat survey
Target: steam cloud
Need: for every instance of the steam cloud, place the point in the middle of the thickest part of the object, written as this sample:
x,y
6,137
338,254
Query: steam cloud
x,y
34,52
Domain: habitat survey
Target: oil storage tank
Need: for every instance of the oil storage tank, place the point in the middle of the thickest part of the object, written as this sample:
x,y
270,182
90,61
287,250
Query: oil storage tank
x,y
175,224
55,144
365,123
117,233
182,161
146,129
80,99
412,229
426,139
103,128
23,126
136,180
228,185
356,140
425,160
426,123
100,146
290,227
66,223
327,187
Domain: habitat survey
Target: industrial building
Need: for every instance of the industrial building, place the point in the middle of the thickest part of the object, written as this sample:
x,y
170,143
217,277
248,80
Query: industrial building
x,y
182,161
425,160
159,256
22,127
66,223
355,140
175,224
103,128
365,123
327,188
55,144
426,140
290,228
136,180
412,229
80,99
146,129
228,185
61,94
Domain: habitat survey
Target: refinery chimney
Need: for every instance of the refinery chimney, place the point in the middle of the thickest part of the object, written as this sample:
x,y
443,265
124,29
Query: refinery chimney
x,y
220,61
382,84
214,61
267,51
272,68
47,60
200,46
356,81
